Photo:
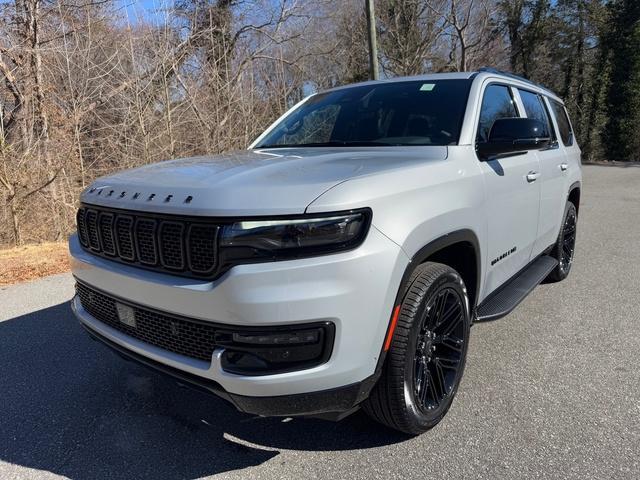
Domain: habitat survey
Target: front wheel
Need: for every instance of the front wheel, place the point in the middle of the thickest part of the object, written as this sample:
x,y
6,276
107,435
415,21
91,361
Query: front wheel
x,y
427,355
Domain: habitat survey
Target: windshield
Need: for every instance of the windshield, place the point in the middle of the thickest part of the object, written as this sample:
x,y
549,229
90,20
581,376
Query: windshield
x,y
381,114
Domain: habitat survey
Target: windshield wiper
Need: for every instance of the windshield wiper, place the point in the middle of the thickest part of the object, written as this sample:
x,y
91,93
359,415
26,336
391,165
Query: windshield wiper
x,y
355,143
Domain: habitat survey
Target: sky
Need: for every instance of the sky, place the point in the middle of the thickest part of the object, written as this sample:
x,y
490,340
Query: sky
x,y
144,9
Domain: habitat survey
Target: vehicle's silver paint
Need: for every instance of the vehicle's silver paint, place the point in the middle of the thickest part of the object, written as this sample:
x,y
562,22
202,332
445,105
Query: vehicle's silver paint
x,y
417,194
511,210
247,182
553,183
347,289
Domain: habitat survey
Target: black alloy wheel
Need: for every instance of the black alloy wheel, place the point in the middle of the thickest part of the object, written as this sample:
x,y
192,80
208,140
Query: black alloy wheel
x,y
439,348
568,240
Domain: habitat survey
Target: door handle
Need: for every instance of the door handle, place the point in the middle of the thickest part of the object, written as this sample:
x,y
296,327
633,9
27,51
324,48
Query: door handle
x,y
564,166
532,176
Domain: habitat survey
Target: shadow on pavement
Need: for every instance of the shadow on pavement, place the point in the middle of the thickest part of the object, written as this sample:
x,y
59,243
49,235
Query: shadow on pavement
x,y
71,407
613,164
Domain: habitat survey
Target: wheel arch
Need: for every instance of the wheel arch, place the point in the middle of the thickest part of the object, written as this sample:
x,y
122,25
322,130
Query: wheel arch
x,y
574,195
460,250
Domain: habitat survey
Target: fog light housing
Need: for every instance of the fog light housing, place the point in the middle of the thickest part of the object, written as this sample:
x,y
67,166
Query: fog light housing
x,y
282,349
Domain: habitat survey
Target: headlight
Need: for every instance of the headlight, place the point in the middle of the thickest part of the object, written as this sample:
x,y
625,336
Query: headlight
x,y
280,239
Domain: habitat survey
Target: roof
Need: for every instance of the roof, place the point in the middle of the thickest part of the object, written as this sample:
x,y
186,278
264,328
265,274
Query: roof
x,y
486,71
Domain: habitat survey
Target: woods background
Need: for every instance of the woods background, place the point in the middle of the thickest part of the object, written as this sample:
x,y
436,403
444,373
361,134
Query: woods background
x,y
91,87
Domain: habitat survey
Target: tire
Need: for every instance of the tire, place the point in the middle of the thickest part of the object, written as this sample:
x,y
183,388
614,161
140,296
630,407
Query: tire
x,y
564,249
406,396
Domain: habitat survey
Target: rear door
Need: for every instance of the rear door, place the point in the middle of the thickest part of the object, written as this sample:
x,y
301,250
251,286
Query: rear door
x,y
553,165
512,193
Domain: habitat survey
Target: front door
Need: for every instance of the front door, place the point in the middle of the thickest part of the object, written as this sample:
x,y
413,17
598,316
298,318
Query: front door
x,y
512,195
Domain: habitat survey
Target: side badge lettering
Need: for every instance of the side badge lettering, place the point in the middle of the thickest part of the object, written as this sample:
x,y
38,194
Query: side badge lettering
x,y
503,256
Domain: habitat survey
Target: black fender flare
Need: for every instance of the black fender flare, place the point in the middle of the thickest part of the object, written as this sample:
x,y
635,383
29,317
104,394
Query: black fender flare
x,y
457,236
574,186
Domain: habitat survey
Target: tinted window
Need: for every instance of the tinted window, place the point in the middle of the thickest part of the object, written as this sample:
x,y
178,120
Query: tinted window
x,y
535,108
563,122
496,103
395,113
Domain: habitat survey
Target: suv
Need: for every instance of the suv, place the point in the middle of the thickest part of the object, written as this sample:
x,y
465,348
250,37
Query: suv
x,y
338,262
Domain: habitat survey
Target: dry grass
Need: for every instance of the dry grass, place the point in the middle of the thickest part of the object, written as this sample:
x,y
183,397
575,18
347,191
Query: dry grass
x,y
32,261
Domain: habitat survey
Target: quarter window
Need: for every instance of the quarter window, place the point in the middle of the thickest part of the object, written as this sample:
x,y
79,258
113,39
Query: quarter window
x,y
563,122
496,103
535,108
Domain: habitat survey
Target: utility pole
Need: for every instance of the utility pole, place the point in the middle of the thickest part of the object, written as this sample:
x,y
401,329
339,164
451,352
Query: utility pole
x,y
373,43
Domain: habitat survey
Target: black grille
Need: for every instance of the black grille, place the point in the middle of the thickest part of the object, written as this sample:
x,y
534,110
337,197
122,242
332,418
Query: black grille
x,y
124,235
106,233
179,245
202,240
82,227
172,253
181,336
91,221
146,240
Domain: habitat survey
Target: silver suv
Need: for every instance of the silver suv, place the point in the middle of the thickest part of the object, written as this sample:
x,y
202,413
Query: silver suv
x,y
338,262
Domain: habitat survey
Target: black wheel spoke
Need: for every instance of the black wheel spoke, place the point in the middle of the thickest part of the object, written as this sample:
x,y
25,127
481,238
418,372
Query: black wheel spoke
x,y
452,343
427,388
420,376
447,363
452,322
439,377
439,348
433,394
439,310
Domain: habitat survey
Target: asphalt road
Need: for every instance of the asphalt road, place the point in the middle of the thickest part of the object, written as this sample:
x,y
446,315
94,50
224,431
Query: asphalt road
x,y
551,391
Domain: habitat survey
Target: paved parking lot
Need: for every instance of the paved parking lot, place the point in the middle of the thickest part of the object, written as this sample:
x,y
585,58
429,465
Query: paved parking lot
x,y
551,391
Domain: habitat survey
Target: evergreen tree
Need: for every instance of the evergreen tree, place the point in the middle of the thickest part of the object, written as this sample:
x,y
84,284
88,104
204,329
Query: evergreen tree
x,y
621,135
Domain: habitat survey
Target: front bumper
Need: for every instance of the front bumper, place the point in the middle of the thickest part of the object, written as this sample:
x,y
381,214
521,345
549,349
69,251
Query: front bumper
x,y
353,290
330,404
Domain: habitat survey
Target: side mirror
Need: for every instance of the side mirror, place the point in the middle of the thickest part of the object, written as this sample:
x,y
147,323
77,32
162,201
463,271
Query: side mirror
x,y
513,135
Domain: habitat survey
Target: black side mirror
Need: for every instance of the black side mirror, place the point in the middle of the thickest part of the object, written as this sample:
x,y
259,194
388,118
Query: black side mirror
x,y
513,135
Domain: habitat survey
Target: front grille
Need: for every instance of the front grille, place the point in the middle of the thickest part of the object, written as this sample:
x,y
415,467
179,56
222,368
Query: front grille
x,y
172,253
179,245
106,233
181,336
146,240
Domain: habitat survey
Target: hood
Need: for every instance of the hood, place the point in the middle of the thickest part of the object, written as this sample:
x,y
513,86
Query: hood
x,y
248,182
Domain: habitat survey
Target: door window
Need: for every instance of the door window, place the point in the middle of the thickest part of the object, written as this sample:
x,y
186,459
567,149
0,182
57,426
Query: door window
x,y
496,103
535,108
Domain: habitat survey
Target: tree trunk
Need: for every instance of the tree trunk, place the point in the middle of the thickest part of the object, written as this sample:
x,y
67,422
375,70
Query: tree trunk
x,y
15,222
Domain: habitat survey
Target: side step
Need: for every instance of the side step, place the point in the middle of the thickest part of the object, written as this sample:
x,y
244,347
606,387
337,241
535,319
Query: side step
x,y
507,297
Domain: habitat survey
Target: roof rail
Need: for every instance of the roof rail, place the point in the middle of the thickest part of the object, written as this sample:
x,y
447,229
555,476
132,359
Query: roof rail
x,y
512,75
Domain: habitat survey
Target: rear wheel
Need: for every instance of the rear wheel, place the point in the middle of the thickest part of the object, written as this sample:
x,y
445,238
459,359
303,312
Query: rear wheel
x,y
427,355
565,246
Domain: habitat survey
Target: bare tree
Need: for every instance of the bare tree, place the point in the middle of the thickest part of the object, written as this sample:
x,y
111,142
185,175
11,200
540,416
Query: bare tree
x,y
86,89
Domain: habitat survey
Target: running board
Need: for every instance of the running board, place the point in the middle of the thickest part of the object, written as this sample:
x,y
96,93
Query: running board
x,y
503,301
